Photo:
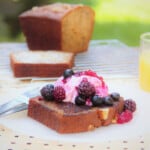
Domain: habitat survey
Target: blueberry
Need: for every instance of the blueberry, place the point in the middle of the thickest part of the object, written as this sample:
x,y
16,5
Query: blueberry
x,y
67,73
47,92
115,96
108,101
97,100
79,100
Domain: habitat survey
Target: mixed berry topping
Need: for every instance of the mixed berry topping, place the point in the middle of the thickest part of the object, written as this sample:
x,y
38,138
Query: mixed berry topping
x,y
127,114
47,92
115,96
89,73
68,73
78,73
108,101
86,89
124,117
59,93
129,104
86,94
97,100
79,100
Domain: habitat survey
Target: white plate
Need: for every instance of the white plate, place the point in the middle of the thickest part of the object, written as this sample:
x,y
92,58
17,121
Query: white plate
x,y
139,126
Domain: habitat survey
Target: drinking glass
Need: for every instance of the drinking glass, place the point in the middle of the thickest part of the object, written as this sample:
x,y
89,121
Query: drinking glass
x,y
144,62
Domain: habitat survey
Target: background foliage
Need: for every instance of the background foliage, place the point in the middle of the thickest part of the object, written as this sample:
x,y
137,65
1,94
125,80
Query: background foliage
x,y
124,20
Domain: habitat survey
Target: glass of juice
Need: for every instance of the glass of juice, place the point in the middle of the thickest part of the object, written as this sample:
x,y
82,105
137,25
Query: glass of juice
x,y
144,62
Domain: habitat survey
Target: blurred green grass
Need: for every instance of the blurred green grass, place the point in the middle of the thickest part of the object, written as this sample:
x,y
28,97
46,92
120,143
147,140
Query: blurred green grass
x,y
124,20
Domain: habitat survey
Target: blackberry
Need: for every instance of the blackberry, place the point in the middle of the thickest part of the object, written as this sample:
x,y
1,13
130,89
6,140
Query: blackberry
x,y
47,92
59,93
86,89
129,104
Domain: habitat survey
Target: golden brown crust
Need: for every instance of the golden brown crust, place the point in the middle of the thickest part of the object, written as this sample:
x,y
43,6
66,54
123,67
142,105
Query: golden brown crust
x,y
70,118
53,27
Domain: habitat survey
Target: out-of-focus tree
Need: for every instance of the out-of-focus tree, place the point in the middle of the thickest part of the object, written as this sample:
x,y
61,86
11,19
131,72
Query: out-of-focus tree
x,y
10,10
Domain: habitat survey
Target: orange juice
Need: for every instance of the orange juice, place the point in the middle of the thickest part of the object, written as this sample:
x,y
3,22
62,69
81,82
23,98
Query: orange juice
x,y
144,70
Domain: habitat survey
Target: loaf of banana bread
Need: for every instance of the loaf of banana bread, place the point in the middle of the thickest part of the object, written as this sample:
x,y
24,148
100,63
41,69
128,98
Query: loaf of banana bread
x,y
59,26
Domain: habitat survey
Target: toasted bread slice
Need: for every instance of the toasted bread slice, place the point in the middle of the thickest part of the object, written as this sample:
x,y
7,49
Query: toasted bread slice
x,y
67,117
40,64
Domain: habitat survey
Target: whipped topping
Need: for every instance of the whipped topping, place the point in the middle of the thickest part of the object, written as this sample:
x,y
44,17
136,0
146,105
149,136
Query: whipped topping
x,y
70,85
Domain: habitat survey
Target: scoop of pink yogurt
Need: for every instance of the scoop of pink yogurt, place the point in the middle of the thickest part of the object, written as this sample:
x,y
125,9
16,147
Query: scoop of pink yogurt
x,y
70,85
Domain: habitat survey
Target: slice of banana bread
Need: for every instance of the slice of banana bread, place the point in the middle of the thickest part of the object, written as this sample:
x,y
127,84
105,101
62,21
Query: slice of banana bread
x,y
40,63
79,102
70,118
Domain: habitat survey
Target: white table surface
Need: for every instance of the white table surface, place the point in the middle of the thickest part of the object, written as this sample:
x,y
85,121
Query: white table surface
x,y
121,77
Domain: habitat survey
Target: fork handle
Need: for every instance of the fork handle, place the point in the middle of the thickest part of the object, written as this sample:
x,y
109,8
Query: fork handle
x,y
11,107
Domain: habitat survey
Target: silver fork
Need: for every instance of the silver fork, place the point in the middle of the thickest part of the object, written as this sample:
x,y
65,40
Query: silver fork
x,y
19,103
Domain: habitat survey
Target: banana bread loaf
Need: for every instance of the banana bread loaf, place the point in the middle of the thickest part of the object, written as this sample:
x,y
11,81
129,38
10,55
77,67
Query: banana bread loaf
x,y
58,26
